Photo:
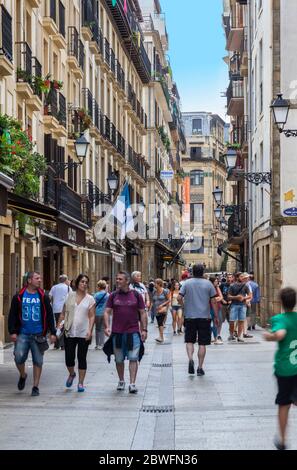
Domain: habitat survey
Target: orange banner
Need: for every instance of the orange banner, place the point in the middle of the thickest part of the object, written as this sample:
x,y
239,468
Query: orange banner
x,y
186,200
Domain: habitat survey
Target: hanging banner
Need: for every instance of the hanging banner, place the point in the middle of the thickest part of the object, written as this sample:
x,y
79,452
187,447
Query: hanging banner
x,y
186,200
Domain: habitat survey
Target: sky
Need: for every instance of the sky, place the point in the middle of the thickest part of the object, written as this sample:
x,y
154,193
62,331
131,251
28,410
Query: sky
x,y
196,49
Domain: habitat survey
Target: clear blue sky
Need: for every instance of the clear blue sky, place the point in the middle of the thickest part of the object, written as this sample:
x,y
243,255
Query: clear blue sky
x,y
196,50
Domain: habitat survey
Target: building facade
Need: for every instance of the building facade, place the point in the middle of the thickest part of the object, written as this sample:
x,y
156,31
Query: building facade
x,y
69,69
264,38
204,170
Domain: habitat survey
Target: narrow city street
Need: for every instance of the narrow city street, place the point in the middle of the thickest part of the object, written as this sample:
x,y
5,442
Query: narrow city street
x,y
232,407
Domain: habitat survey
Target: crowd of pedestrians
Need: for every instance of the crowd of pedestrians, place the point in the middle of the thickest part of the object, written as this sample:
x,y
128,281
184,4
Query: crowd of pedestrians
x,y
197,303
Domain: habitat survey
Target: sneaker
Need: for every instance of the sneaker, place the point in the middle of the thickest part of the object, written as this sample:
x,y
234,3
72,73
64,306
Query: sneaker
x,y
121,386
247,336
254,327
96,347
132,388
70,379
80,388
200,372
35,392
235,334
279,445
219,340
249,328
191,368
175,333
160,341
231,338
22,382
240,340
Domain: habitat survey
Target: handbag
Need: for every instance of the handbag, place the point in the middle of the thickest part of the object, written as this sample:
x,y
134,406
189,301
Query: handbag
x,y
41,343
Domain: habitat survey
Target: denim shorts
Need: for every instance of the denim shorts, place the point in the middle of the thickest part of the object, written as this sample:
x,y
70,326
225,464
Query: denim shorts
x,y
238,312
23,345
123,353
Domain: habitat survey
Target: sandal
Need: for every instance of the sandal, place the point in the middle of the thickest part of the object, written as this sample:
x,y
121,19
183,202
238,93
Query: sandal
x,y
70,380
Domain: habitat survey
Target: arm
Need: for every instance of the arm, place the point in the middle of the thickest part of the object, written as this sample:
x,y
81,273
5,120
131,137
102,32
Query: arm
x,y
277,336
180,299
215,307
143,324
147,300
12,318
91,322
107,314
164,304
50,319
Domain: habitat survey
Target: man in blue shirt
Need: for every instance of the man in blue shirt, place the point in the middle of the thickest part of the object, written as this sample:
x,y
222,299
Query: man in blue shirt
x,y
30,317
254,302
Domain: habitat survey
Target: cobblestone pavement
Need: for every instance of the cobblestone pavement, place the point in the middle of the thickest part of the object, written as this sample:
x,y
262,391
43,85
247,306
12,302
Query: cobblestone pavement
x,y
231,407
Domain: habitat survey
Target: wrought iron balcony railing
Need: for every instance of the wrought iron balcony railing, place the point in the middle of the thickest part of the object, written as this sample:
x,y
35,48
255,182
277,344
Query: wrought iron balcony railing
x,y
6,34
24,62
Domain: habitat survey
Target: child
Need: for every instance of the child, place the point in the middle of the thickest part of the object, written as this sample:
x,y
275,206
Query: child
x,y
284,330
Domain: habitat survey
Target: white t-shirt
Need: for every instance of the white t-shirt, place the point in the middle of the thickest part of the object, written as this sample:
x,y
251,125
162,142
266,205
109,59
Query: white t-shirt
x,y
140,287
80,325
59,293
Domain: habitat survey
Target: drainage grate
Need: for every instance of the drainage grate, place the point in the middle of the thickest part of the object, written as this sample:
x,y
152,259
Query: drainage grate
x,y
158,409
169,364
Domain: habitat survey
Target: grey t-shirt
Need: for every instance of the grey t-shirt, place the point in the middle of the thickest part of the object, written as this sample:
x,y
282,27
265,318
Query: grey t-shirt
x,y
197,293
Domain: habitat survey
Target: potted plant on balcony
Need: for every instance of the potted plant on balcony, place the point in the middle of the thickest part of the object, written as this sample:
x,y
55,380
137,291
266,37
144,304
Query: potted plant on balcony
x,y
57,84
23,76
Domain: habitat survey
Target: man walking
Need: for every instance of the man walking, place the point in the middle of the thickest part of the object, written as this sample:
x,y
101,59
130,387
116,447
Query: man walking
x,y
136,284
29,320
128,313
198,294
57,295
225,286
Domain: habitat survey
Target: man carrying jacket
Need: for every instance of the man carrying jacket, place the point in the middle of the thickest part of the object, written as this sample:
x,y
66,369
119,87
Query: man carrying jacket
x,y
30,318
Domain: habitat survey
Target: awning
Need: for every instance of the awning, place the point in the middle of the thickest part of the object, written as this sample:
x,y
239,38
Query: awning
x,y
31,208
76,247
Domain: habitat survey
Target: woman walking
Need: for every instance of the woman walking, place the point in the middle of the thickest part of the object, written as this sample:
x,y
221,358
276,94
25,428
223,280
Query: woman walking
x,y
176,309
101,298
216,330
160,303
79,318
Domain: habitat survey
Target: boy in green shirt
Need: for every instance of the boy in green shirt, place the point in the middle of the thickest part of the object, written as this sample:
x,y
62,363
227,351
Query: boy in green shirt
x,y
284,331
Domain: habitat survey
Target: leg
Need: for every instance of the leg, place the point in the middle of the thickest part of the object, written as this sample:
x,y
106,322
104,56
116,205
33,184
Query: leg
x,y
101,332
283,414
133,368
190,350
220,322
36,375
21,351
70,346
201,355
231,328
161,331
22,370
180,320
120,370
82,352
97,325
240,328
174,313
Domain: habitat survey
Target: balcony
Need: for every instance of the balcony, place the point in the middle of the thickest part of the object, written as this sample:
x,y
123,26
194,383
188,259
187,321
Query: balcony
x,y
6,54
49,21
98,125
244,63
238,227
55,113
35,102
96,45
137,163
234,31
107,134
239,135
94,195
87,99
75,53
121,145
75,124
88,18
128,27
120,76
106,55
235,98
162,94
112,62
59,38
24,70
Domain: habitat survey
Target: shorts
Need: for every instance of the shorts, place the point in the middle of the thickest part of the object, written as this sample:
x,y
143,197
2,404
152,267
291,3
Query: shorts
x,y
161,319
238,312
200,327
23,345
123,353
178,310
287,390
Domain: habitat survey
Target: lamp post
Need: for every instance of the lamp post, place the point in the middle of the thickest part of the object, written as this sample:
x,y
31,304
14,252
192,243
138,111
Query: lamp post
x,y
113,182
280,110
254,178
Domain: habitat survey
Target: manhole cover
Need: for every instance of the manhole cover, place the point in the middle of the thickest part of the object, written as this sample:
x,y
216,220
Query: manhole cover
x,y
169,364
158,409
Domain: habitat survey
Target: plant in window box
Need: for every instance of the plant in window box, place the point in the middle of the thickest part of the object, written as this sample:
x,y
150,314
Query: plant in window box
x,y
57,84
23,76
233,146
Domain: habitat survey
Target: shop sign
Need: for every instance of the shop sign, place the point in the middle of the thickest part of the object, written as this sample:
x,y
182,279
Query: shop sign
x,y
291,212
71,234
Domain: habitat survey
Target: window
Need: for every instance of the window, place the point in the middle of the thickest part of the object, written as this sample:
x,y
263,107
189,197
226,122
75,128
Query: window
x,y
197,126
197,214
197,178
196,153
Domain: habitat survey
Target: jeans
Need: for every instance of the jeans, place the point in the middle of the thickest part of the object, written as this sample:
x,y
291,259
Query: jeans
x,y
214,329
238,312
99,331
23,345
121,354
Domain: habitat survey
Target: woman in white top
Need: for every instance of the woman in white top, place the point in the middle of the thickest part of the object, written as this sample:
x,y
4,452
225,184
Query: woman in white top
x,y
79,316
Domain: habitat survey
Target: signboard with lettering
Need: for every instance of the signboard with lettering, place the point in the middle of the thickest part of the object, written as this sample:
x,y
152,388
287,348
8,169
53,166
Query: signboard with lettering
x,y
71,234
291,212
167,175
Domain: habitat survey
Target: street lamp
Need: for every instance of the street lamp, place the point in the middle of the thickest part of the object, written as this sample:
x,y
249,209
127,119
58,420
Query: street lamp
x,y
218,195
113,182
280,108
218,213
231,158
81,148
